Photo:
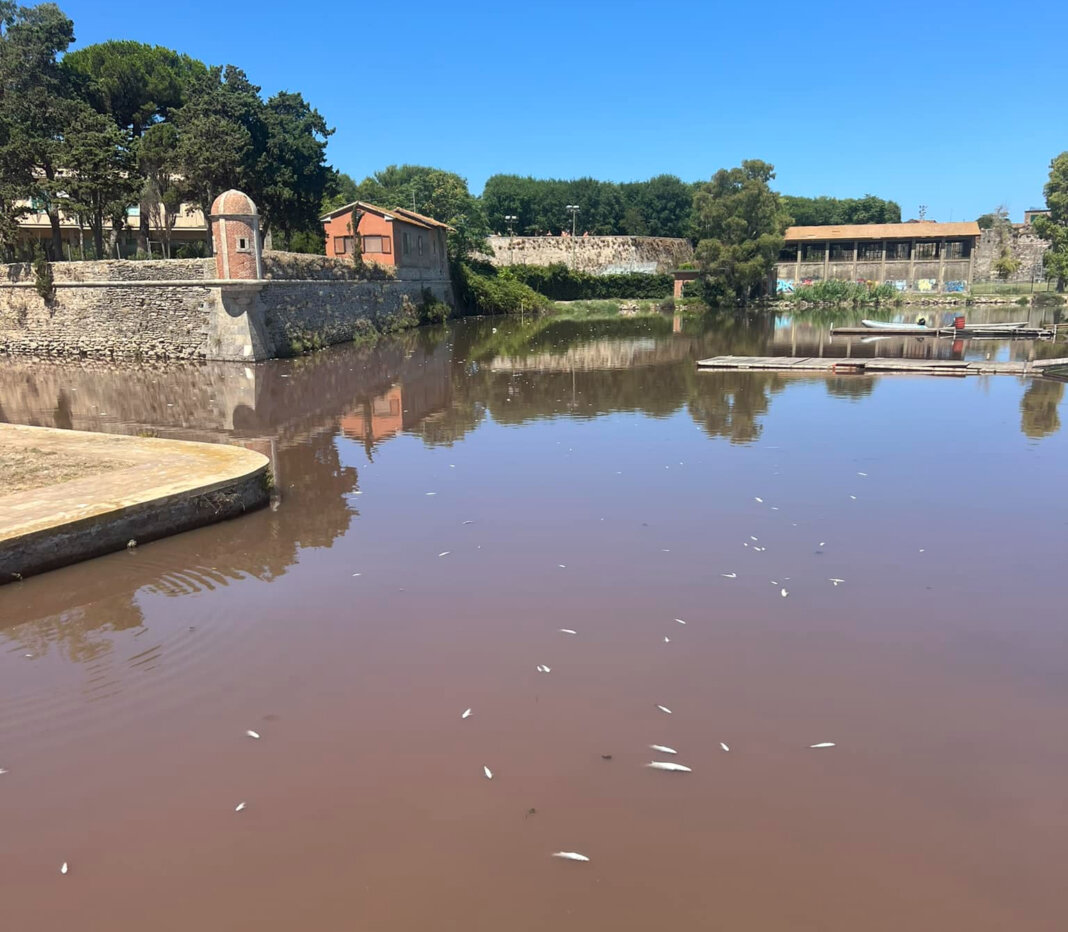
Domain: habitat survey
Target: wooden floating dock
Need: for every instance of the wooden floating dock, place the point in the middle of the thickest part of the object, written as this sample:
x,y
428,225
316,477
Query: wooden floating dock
x,y
1016,333
829,365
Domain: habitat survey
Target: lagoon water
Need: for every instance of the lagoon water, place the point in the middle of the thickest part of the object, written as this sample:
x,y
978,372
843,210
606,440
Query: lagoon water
x,y
447,501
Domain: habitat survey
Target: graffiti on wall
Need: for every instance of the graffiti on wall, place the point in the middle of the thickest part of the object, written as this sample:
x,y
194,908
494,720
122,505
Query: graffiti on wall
x,y
898,284
784,286
956,286
926,284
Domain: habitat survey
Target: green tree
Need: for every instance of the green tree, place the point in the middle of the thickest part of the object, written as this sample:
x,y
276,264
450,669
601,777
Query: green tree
x,y
37,104
1054,228
821,211
738,222
99,174
343,190
161,188
292,176
135,84
221,133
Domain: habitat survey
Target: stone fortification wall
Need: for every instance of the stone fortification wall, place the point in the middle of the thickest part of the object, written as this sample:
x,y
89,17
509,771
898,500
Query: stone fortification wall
x,y
303,315
1026,246
175,309
597,255
107,320
115,270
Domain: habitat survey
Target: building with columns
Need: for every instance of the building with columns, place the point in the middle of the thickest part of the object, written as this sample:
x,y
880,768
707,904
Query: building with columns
x,y
918,256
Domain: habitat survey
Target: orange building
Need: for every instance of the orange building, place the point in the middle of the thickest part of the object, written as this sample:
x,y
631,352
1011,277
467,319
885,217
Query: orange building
x,y
409,242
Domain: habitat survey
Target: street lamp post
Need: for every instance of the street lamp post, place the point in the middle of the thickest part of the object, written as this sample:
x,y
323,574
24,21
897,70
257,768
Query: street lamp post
x,y
511,219
573,209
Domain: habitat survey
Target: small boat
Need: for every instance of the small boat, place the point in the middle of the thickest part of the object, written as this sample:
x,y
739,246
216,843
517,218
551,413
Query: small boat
x,y
886,325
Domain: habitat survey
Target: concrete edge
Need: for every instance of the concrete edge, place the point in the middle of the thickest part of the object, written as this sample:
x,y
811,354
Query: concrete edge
x,y
110,529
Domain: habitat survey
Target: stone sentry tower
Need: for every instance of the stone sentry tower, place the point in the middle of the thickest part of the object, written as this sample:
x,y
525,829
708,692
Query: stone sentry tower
x,y
235,231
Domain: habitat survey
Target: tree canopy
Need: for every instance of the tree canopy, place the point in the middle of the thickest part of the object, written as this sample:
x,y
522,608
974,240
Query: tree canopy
x,y
738,221
820,211
1054,228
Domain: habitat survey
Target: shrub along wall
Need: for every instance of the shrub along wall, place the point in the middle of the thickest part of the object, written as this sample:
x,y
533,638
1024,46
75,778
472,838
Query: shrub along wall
x,y
563,284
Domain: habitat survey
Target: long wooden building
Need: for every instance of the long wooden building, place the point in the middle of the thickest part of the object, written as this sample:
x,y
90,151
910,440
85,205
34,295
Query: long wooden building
x,y
918,256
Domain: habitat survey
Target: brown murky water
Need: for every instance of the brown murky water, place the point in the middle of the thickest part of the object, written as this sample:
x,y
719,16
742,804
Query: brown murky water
x,y
452,498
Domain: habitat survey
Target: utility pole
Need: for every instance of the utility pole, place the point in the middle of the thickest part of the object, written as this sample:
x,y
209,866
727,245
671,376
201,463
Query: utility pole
x,y
573,209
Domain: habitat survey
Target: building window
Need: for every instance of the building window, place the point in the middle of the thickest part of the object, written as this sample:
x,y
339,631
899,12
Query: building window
x,y
840,252
813,252
378,244
407,243
419,244
341,245
788,253
960,249
243,244
927,250
870,251
896,252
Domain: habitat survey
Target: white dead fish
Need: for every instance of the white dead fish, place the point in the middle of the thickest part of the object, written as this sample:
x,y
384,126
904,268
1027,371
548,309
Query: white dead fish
x,y
835,581
562,566
668,765
667,640
823,744
567,630
662,749
862,474
431,493
467,713
680,621
853,497
570,856
751,537
544,669
729,575
467,522
664,708
2,771
783,593
252,734
724,746
757,498
64,868
239,807
487,772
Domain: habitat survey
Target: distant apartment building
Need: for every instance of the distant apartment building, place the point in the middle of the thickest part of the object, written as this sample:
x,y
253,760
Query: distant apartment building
x,y
919,256
34,227
409,242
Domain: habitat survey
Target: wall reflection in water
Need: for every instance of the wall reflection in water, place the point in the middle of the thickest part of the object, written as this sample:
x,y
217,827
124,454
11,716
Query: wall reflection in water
x,y
436,383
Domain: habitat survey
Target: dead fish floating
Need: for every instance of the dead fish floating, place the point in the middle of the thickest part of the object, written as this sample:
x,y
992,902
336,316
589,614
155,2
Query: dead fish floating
x,y
567,630
724,746
823,744
834,581
729,575
680,621
570,856
668,765
64,868
544,669
664,708
487,772
239,807
784,593
466,714
662,749
252,734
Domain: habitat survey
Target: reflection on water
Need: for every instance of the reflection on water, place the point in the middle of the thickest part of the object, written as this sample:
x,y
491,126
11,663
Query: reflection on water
x,y
583,474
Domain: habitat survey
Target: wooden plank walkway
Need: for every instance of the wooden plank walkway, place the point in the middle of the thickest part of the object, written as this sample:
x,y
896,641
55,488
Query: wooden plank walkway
x,y
1020,333
880,365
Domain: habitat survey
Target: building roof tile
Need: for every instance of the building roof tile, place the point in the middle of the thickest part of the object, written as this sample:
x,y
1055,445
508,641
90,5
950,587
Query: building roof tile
x,y
922,229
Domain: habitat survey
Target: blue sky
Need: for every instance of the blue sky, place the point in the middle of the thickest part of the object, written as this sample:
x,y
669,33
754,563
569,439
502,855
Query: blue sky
x,y
959,106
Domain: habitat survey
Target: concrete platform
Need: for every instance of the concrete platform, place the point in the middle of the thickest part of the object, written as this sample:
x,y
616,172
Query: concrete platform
x,y
879,364
144,489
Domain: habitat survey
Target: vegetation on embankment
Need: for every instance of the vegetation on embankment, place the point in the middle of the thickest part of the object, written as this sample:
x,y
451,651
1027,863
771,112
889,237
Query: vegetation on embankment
x,y
834,291
560,283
